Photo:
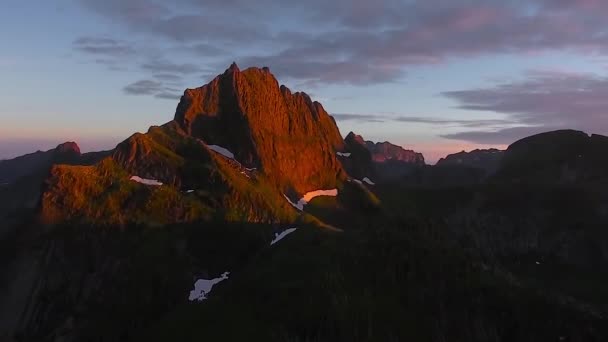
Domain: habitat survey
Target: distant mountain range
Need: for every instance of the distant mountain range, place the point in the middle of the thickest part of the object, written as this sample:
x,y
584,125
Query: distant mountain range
x,y
249,217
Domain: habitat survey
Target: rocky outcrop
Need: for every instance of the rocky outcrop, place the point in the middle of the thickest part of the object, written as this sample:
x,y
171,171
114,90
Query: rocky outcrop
x,y
69,147
358,159
382,161
385,151
288,137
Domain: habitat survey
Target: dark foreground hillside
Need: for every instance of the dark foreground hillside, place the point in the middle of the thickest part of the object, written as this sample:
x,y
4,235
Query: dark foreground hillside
x,y
386,278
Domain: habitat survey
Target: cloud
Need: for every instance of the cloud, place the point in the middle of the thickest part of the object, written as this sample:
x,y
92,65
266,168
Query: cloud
x,y
545,100
168,77
422,120
143,87
184,21
164,66
204,49
503,136
462,123
168,96
155,88
103,46
137,12
358,117
357,41
323,72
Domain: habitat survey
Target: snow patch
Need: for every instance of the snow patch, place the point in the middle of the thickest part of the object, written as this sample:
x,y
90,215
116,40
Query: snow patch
x,y
368,181
310,195
365,180
203,287
342,154
280,236
229,155
189,191
298,205
222,151
144,181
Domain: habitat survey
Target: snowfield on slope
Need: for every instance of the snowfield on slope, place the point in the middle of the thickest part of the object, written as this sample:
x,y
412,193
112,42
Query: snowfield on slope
x,y
280,236
365,180
223,151
310,195
342,154
368,181
203,287
152,182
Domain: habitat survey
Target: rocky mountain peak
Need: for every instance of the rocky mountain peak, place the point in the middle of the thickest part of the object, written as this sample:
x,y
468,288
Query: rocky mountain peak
x,y
385,151
68,147
286,135
234,68
354,138
381,160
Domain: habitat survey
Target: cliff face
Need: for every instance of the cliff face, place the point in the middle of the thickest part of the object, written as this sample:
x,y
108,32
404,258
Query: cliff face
x,y
385,151
381,161
286,135
359,163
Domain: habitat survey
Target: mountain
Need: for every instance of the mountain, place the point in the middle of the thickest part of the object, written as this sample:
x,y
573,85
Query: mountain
x,y
565,157
385,151
286,135
357,158
13,169
24,179
381,161
235,148
488,160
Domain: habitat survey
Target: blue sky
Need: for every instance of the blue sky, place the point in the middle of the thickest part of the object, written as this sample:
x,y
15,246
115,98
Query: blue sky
x,y
436,76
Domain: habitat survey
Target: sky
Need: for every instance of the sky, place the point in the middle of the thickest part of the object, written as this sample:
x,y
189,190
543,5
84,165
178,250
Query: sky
x,y
436,76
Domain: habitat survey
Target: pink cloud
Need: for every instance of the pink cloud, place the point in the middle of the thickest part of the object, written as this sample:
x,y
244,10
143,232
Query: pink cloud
x,y
474,18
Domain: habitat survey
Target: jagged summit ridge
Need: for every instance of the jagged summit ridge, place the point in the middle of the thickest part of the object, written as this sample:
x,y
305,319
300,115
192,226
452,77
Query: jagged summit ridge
x,y
286,135
385,151
354,138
